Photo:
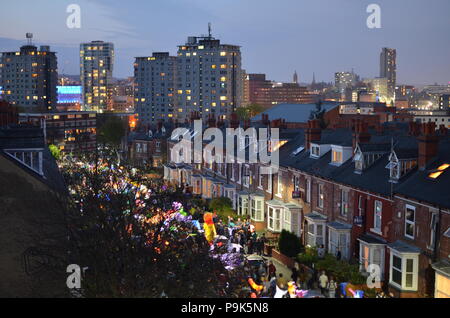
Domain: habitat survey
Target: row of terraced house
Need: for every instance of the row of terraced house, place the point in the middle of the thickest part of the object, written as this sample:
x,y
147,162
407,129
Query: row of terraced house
x,y
378,196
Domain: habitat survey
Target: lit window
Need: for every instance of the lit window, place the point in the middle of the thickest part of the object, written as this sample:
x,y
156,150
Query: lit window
x,y
337,156
223,53
440,170
223,79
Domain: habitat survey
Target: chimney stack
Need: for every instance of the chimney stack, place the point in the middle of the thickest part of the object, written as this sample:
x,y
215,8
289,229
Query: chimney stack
x,y
428,144
414,128
360,132
313,132
265,119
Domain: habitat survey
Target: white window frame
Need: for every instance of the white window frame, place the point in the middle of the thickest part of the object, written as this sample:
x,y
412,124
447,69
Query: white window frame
x,y
280,185
255,212
364,262
408,222
272,219
375,216
260,178
287,220
313,152
243,205
296,182
345,207
343,247
308,190
313,236
434,219
269,183
320,195
404,261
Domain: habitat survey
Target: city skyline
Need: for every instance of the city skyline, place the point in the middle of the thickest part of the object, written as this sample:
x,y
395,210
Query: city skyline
x,y
319,49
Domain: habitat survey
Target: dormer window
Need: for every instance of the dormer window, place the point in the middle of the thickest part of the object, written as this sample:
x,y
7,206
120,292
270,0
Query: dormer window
x,y
340,154
315,151
359,161
337,156
398,168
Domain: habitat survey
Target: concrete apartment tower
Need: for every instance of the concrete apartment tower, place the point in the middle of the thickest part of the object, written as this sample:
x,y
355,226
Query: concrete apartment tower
x,y
388,69
97,64
154,88
29,77
209,78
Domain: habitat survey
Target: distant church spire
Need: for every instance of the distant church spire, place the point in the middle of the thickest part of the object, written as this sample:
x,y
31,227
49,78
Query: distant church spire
x,y
314,78
295,77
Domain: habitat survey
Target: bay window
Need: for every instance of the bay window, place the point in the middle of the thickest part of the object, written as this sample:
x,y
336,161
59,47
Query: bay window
x,y
274,218
243,203
404,270
371,254
257,213
315,231
339,239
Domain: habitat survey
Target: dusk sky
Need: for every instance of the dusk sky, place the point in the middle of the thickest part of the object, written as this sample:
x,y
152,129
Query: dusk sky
x,y
277,37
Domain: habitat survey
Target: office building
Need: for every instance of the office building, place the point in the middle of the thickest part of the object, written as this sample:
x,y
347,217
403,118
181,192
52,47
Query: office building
x,y
97,64
343,81
444,102
71,132
267,93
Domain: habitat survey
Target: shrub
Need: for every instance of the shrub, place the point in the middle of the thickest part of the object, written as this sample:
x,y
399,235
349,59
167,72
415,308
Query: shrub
x,y
223,207
342,271
289,244
56,153
308,257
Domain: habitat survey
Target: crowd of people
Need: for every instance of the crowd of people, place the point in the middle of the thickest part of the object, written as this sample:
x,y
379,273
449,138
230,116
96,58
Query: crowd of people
x,y
249,272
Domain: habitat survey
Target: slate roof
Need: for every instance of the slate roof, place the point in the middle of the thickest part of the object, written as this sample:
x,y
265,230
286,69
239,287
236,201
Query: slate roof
x,y
419,186
403,247
370,239
415,184
30,138
293,113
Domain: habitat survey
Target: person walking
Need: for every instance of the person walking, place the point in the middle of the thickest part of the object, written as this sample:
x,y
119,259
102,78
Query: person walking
x,y
295,273
323,283
332,286
272,270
